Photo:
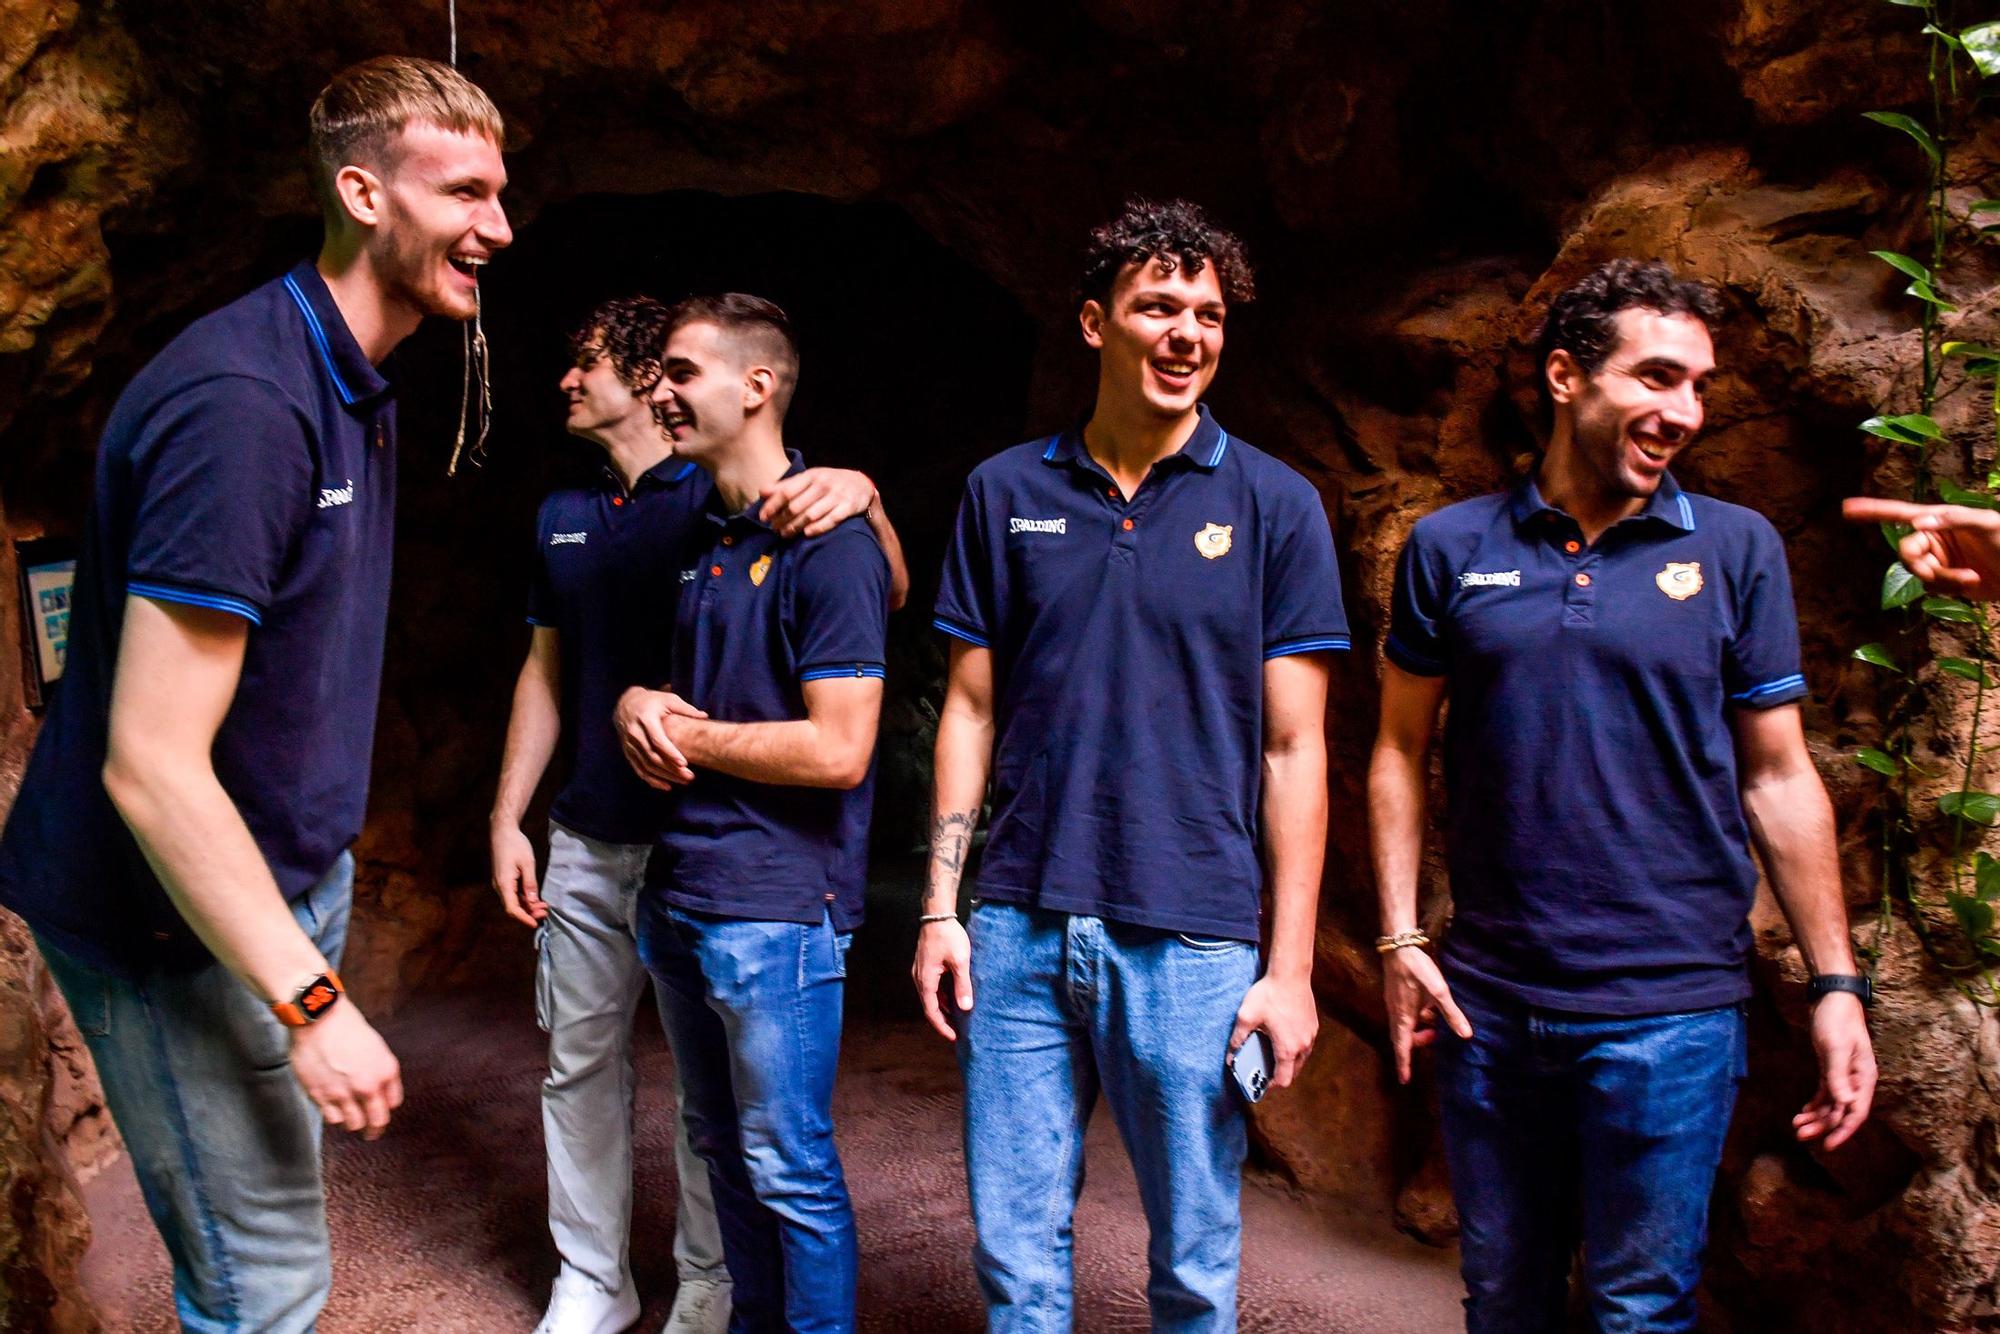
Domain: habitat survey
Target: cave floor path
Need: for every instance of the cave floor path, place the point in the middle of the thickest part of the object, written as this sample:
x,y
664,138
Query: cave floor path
x,y
440,1226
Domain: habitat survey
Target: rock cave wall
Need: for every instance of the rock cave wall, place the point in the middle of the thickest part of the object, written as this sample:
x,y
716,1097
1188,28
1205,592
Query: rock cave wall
x,y
1415,178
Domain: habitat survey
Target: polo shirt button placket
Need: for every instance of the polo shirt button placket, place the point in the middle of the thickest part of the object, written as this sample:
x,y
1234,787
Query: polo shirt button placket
x,y
1580,594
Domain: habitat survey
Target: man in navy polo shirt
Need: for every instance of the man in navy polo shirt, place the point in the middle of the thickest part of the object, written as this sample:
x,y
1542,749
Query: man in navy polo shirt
x,y
1623,664
755,884
179,845
606,580
1140,610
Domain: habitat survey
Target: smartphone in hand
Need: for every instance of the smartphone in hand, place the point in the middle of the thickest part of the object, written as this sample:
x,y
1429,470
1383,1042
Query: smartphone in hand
x,y
1251,1064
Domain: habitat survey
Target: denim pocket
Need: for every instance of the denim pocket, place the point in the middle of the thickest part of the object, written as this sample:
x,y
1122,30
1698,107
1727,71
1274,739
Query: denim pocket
x,y
1210,944
842,941
545,982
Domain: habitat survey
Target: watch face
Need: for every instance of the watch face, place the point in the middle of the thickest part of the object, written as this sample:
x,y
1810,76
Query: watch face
x,y
319,995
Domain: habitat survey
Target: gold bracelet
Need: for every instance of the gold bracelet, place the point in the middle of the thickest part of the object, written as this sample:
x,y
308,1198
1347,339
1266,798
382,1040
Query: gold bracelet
x,y
1402,940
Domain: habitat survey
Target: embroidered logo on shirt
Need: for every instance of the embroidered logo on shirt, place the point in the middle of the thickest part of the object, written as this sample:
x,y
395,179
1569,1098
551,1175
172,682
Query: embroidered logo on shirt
x,y
1038,526
567,539
1681,580
329,496
759,569
1213,541
687,576
1490,579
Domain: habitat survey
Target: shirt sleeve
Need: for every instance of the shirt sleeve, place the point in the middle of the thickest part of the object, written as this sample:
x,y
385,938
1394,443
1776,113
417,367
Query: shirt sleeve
x,y
966,603
1302,605
1760,667
1416,611
223,490
541,592
840,606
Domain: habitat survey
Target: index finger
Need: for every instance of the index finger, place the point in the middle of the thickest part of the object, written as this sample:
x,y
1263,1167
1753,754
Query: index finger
x,y
376,1107
927,990
1879,509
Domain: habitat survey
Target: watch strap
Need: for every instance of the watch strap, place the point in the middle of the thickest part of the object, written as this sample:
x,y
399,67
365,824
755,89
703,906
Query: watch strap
x,y
1824,984
310,1001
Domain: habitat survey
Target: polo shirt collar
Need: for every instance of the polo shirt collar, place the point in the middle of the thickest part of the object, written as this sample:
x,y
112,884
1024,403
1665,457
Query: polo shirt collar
x,y
354,377
1204,449
1668,504
752,515
669,471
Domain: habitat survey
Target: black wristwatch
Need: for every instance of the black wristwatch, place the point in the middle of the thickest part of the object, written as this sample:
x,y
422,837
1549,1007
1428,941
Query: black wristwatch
x,y
1826,983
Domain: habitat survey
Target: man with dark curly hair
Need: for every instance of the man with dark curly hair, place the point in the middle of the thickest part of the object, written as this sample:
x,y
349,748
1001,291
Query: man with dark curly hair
x,y
1623,663
1140,610
602,610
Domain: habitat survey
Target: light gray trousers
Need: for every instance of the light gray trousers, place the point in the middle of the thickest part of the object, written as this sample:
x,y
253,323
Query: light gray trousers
x,y
588,980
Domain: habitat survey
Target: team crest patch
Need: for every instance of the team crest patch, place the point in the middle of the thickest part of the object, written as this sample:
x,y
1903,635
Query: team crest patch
x,y
1681,580
761,567
1213,541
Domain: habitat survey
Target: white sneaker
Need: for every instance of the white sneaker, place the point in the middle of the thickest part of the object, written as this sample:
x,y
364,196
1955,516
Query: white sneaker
x,y
579,1306
700,1307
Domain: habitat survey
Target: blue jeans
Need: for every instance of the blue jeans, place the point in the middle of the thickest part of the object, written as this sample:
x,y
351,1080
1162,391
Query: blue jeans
x,y
1064,1006
198,1076
753,1014
1563,1128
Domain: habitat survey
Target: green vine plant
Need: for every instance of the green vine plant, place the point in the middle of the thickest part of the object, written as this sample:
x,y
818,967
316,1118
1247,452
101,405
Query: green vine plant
x,y
1973,898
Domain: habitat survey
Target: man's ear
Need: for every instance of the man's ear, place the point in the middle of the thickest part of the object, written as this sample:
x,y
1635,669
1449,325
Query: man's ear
x,y
1091,319
1564,375
360,192
759,384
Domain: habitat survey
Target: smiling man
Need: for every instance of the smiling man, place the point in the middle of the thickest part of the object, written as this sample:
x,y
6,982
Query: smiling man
x,y
606,581
1141,610
180,842
1622,659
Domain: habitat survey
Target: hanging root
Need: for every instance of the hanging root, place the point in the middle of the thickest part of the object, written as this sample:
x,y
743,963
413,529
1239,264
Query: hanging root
x,y
476,362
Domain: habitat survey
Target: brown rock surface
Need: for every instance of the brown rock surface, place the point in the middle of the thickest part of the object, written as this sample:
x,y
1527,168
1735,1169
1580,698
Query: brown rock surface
x,y
1417,180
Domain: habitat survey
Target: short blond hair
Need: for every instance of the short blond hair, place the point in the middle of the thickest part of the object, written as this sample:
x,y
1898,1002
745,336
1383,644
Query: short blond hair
x,y
365,105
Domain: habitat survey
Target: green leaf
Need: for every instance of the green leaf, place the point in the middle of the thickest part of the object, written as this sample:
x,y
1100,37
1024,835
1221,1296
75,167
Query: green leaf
x,y
1881,761
1986,875
1983,368
1876,654
1912,4
1894,533
1982,43
1974,917
1958,349
1902,264
1952,610
1949,39
1896,120
1978,807
1965,668
1900,588
1984,206
1923,291
1953,494
1910,428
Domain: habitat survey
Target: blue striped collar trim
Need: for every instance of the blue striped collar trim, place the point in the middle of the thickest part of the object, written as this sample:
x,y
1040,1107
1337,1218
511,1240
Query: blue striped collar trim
x,y
1204,449
354,377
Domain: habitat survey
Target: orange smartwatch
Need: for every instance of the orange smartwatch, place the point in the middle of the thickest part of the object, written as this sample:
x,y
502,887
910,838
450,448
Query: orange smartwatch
x,y
311,1001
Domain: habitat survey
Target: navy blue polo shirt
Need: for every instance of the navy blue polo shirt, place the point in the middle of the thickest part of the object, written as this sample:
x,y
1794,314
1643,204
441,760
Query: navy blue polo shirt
x,y
1129,640
607,581
1599,856
760,616
250,468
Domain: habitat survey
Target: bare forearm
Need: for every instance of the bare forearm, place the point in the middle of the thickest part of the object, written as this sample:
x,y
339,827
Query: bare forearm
x,y
892,551
1294,821
198,845
533,728
798,753
964,752
1395,823
1791,821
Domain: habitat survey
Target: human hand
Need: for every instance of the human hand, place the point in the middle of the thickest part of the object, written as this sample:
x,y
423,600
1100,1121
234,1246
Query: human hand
x,y
1414,992
815,501
347,1070
1953,548
641,723
1289,1016
1846,1071
943,947
514,873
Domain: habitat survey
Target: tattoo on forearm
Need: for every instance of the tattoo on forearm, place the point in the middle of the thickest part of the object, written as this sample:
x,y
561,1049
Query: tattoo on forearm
x,y
951,836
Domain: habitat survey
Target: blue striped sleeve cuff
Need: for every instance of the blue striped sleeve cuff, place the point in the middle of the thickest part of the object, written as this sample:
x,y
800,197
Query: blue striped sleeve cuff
x,y
198,597
827,671
1411,661
1772,693
1308,644
960,631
